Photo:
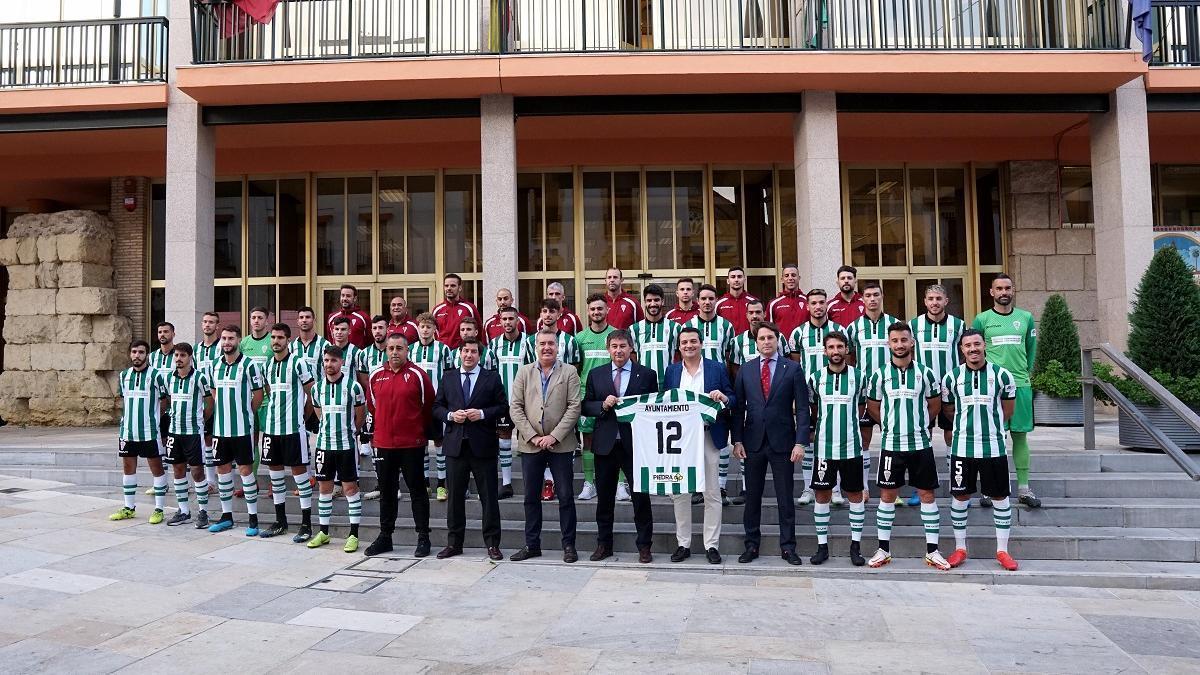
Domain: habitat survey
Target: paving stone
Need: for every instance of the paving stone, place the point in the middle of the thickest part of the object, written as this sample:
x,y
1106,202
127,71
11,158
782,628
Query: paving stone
x,y
53,580
370,622
131,603
467,641
83,633
241,603
351,663
260,647
771,666
44,656
177,627
746,644
75,541
1151,636
15,559
1168,665
354,642
550,661
622,662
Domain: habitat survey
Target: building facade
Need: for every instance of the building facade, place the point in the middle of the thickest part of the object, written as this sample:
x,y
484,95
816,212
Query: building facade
x,y
265,159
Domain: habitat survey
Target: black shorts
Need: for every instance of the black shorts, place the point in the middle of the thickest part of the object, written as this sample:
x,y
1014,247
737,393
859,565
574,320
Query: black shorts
x,y
289,450
145,449
918,466
337,465
234,450
992,473
503,423
848,473
943,422
866,420
184,450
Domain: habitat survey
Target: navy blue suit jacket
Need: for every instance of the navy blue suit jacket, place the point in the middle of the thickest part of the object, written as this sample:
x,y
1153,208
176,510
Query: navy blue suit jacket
x,y
608,431
781,420
716,376
487,395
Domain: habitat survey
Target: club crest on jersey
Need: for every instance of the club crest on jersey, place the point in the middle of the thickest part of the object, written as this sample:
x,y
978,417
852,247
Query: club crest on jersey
x,y
1016,325
406,376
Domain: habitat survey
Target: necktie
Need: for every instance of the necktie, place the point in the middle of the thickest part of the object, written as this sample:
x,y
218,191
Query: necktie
x,y
766,377
617,381
466,387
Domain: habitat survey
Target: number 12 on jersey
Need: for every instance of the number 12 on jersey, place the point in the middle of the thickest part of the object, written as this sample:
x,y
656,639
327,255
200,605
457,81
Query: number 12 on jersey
x,y
668,439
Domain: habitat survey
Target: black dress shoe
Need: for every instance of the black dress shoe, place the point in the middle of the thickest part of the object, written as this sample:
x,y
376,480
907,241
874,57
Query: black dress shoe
x,y
697,498
748,556
506,491
724,497
494,553
714,556
525,554
821,555
682,553
601,553
382,544
644,555
448,552
792,558
570,555
423,546
738,500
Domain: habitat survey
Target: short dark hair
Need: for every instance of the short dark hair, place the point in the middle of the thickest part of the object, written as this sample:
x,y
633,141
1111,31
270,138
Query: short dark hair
x,y
551,304
339,320
691,329
452,275
685,280
262,309
652,289
756,301
333,350
139,343
397,335
848,268
900,327
766,324
619,334
736,268
792,266
596,296
1001,275
868,285
213,314
816,291
349,286
835,335
511,309
468,321
707,287
160,324
284,328
308,309
971,332
232,328
378,318
183,348
472,341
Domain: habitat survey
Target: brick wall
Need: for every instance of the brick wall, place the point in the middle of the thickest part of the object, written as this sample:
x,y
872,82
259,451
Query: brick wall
x,y
1045,258
129,255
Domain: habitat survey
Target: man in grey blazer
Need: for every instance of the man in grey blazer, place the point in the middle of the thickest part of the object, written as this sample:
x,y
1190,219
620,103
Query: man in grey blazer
x,y
544,408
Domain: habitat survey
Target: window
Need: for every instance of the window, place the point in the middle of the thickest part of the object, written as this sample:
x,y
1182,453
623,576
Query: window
x,y
1075,196
1178,197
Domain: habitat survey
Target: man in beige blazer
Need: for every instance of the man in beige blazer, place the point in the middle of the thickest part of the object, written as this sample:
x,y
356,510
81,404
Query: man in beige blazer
x,y
544,406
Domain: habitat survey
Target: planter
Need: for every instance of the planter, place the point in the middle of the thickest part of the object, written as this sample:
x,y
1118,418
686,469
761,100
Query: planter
x,y
1057,412
1131,435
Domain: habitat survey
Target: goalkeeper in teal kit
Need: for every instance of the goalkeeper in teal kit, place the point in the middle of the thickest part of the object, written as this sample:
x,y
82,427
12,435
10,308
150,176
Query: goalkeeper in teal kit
x,y
1011,339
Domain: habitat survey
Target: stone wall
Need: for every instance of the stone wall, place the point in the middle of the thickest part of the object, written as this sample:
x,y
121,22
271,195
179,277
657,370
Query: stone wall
x,y
1045,258
64,340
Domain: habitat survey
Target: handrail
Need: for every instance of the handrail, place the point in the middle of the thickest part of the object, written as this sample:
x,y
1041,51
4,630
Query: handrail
x,y
97,51
1159,392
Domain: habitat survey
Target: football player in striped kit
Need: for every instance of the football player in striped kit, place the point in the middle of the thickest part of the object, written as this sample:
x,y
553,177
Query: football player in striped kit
x,y
191,404
143,397
285,442
655,338
506,353
937,334
433,356
238,384
208,352
369,359
338,400
836,390
162,361
340,331
309,344
807,342
869,346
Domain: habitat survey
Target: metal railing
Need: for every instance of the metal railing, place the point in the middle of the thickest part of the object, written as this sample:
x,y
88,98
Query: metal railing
x,y
965,24
1159,392
335,29
1176,33
105,51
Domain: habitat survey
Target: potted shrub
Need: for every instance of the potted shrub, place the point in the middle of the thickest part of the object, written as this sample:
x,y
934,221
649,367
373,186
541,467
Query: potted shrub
x,y
1057,392
1164,341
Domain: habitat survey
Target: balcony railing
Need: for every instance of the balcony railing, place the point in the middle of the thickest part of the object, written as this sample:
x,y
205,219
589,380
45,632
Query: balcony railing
x,y
106,51
339,29
1176,33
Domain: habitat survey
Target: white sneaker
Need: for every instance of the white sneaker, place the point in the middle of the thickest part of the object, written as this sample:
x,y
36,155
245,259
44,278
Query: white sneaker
x,y
806,497
588,492
838,500
622,492
880,558
368,496
936,561
364,449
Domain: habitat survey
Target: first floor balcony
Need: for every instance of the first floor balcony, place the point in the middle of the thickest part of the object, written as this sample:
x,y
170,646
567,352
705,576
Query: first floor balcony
x,y
104,51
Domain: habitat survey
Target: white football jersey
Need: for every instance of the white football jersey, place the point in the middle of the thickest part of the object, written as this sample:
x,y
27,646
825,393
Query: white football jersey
x,y
668,439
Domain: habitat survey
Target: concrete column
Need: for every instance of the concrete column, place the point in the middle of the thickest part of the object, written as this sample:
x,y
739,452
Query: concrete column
x,y
818,190
1124,215
498,144
191,165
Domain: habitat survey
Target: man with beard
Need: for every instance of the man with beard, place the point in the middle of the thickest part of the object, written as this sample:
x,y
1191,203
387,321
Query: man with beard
x,y
716,342
143,396
238,384
309,344
568,321
338,401
190,392
869,344
505,354
847,305
350,311
208,350
492,327
655,337
732,305
285,441
685,302
257,346
452,310
809,350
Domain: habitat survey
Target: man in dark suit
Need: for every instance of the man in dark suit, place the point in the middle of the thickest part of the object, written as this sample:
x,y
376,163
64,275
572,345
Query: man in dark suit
x,y
470,400
612,442
770,428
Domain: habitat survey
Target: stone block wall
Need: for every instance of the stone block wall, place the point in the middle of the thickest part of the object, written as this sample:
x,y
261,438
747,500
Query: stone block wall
x,y
65,341
1045,258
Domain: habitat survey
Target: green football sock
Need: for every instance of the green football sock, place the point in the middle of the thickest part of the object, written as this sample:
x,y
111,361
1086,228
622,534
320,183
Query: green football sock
x,y
589,466
1021,457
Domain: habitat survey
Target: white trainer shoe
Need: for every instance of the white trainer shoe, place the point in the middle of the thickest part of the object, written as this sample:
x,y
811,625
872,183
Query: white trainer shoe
x,y
806,497
588,492
936,561
880,558
622,492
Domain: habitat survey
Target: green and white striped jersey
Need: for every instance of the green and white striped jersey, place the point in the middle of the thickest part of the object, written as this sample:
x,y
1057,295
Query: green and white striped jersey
x,y
669,438
837,397
234,385
903,395
161,363
335,403
809,341
371,359
207,355
655,343
716,337
506,357
568,349
312,353
187,401
456,359
745,348
349,360
937,343
977,397
285,395
433,358
141,391
869,340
